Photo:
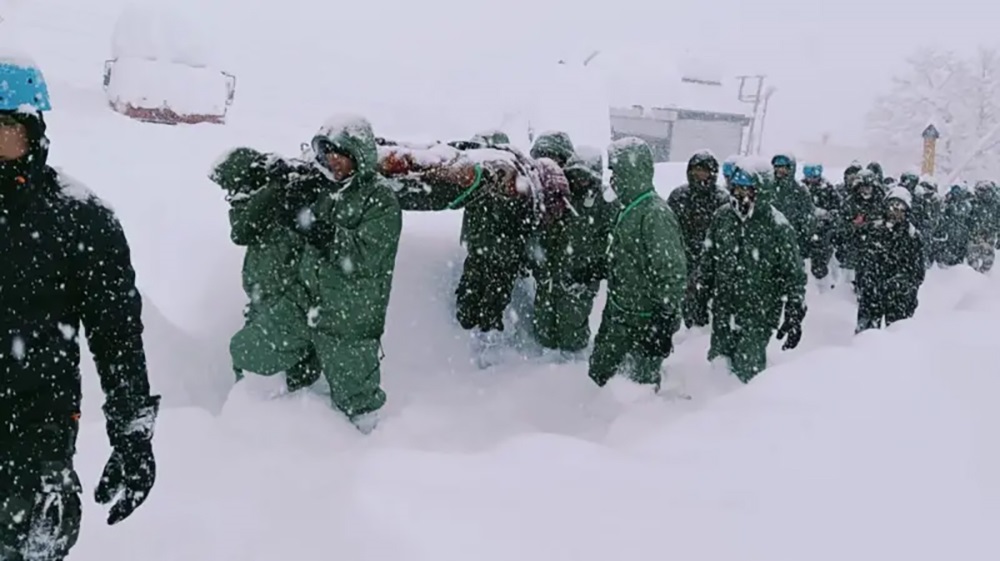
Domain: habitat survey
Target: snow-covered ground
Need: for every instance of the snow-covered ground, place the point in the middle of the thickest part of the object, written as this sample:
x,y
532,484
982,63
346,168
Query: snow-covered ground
x,y
882,446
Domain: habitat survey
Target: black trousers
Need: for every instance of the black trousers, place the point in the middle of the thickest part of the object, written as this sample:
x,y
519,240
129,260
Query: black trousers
x,y
892,306
484,291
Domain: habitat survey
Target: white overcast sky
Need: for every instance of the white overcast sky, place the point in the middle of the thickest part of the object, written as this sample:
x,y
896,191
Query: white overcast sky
x,y
828,58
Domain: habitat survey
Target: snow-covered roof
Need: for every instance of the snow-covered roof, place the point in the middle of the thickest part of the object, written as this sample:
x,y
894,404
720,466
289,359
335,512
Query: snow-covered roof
x,y
642,78
157,33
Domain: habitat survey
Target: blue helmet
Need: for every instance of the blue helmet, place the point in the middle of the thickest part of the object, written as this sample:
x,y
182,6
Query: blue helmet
x,y
742,178
782,160
22,84
813,171
727,169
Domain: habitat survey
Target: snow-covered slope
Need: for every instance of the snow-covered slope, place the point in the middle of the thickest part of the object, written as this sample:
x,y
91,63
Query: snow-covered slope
x,y
881,446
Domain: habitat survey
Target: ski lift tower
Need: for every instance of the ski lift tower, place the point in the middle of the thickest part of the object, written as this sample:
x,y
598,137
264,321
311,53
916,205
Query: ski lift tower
x,y
752,91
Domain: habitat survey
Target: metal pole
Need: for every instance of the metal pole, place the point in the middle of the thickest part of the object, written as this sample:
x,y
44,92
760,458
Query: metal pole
x,y
755,98
763,118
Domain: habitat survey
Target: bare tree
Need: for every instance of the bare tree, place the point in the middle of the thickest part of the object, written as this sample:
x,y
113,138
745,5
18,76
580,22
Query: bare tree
x,y
961,96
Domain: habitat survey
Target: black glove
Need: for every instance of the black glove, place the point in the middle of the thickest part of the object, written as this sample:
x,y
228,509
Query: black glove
x,y
131,471
792,326
658,338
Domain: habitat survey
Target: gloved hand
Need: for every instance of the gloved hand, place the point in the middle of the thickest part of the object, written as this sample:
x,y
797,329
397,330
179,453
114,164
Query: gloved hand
x,y
657,340
792,326
130,473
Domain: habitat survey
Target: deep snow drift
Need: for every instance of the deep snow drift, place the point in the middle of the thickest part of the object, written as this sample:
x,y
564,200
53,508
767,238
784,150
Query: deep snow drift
x,y
881,446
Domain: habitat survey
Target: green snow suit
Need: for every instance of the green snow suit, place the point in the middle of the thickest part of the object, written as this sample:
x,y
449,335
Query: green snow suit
x,y
827,205
890,272
694,206
647,272
332,319
261,217
955,229
495,231
571,261
984,227
750,271
794,201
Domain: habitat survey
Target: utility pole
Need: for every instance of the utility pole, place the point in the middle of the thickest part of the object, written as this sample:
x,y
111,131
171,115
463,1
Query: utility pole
x,y
754,96
763,116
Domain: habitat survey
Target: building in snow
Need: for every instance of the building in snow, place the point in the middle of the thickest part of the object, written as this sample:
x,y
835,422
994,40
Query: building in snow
x,y
678,111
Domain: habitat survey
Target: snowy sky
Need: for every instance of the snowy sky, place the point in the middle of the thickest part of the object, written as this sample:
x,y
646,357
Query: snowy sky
x,y
828,58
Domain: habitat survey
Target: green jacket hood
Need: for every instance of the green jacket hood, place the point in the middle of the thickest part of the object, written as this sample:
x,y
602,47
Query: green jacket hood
x,y
631,163
353,135
491,138
554,145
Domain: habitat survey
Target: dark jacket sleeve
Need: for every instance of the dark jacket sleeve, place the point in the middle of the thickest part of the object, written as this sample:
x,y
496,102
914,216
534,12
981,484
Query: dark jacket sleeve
x,y
111,310
252,216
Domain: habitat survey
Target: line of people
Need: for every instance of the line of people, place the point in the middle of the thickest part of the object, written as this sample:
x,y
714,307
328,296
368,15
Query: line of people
x,y
322,231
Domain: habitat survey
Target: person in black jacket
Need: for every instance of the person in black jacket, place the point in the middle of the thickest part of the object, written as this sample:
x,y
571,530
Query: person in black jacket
x,y
890,265
66,264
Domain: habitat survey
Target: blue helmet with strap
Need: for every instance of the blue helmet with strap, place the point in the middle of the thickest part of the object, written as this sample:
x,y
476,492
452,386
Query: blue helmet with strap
x,y
22,86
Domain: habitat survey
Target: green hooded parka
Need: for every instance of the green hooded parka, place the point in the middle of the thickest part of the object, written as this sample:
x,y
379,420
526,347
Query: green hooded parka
x,y
647,271
348,235
570,261
750,272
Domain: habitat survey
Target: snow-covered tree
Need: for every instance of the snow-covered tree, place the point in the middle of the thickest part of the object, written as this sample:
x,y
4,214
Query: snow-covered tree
x,y
960,96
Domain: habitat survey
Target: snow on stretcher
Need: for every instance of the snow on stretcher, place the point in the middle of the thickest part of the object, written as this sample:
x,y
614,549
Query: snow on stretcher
x,y
162,72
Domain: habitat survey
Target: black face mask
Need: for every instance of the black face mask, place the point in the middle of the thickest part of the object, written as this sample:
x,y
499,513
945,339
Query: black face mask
x,y
742,201
14,173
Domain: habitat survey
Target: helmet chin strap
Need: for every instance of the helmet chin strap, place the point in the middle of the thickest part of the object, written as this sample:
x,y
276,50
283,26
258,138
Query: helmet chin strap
x,y
744,207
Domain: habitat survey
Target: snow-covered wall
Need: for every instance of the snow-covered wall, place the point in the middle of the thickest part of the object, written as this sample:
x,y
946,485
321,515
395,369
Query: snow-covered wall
x,y
152,84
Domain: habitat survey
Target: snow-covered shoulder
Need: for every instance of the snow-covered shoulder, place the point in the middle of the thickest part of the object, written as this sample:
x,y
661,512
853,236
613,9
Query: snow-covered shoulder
x,y
754,164
483,155
627,143
74,189
779,217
